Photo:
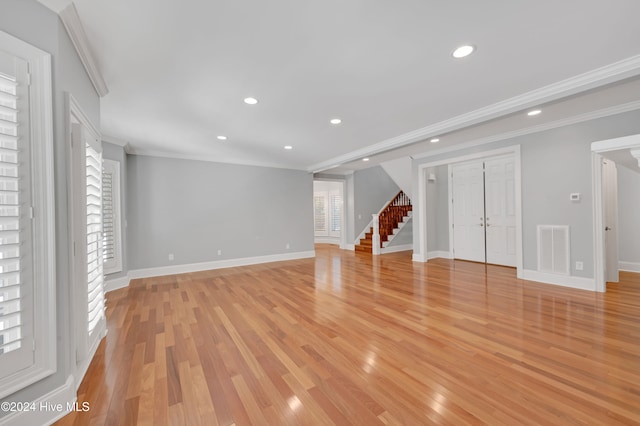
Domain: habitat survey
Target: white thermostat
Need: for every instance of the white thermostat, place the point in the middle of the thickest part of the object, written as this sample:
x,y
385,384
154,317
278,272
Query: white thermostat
x,y
574,196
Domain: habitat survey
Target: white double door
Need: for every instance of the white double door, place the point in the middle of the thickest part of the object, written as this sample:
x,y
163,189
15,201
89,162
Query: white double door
x,y
484,211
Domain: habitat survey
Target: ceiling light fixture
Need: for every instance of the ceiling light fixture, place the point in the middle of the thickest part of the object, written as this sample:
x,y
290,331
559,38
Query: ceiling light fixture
x,y
250,101
222,138
365,159
534,112
463,51
335,121
434,140
288,147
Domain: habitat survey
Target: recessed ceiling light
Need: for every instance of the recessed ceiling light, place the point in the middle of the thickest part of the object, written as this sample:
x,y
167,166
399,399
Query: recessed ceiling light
x,y
250,101
434,140
534,112
365,159
463,51
288,147
222,138
335,121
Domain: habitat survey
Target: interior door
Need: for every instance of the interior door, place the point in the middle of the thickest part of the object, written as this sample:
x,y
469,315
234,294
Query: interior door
x,y
468,212
500,209
610,198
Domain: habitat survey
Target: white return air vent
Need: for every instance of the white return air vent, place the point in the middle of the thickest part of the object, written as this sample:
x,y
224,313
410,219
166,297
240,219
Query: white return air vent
x,y
553,249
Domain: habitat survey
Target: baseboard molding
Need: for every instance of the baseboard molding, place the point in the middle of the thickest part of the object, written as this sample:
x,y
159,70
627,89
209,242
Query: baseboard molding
x,y
217,264
394,249
327,240
629,266
417,257
351,247
49,408
439,253
562,280
116,283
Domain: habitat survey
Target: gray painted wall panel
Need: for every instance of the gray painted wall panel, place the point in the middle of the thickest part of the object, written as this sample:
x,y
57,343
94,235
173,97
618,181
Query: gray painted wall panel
x,y
404,236
192,209
628,215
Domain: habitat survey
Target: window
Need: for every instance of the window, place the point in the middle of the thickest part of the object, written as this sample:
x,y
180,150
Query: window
x,y
86,202
27,250
336,212
112,253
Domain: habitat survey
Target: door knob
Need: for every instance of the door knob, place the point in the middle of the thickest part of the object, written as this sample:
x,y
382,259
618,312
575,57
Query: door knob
x,y
606,228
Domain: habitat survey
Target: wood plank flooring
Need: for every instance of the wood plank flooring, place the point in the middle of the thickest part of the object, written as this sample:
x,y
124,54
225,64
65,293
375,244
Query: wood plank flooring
x,y
349,339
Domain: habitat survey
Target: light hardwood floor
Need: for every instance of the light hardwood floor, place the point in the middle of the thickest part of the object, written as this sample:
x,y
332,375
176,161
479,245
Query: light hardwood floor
x,y
349,339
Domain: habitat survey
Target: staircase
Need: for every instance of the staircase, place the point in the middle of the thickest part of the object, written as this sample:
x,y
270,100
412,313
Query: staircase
x,y
391,216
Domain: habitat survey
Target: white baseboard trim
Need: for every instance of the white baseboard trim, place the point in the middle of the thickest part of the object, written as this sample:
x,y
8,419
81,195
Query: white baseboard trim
x,y
327,240
417,257
116,283
49,408
629,266
439,253
351,247
217,264
393,249
562,280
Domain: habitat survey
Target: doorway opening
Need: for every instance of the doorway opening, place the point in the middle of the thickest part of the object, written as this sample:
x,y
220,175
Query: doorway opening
x,y
328,212
611,159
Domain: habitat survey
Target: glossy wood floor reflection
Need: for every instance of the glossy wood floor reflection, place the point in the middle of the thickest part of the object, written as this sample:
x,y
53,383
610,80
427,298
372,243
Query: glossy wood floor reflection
x,y
349,339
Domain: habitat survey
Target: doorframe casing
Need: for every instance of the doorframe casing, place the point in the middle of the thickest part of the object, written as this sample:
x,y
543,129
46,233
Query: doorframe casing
x,y
515,150
599,253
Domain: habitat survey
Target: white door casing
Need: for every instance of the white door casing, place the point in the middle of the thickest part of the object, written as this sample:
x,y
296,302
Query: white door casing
x,y
610,198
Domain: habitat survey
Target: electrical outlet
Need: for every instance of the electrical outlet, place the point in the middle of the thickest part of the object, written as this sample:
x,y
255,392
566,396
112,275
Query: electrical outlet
x,y
170,256
288,246
219,252
579,266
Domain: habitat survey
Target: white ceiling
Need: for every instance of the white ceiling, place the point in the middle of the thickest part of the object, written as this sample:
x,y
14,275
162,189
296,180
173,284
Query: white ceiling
x,y
177,71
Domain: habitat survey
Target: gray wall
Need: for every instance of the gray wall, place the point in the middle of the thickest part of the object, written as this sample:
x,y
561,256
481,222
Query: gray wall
x,y
33,23
116,153
628,214
437,210
372,190
192,209
556,163
404,237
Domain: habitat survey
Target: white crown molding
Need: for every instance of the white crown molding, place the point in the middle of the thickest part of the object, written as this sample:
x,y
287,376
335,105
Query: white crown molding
x,y
209,158
73,25
581,118
625,142
56,5
605,75
125,145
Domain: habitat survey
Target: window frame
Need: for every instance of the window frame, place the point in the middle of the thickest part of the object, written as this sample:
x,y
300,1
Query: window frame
x,y
43,225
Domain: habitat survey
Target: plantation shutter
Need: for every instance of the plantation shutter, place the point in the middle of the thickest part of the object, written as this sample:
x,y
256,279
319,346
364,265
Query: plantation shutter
x,y
112,250
16,276
335,201
320,214
95,279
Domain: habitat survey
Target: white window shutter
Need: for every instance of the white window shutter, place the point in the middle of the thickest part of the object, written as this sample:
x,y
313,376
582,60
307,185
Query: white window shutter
x,y
112,252
16,278
95,279
320,214
335,201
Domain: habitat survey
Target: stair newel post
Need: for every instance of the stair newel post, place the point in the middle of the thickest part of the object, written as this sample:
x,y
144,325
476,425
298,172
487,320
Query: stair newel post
x,y
375,239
